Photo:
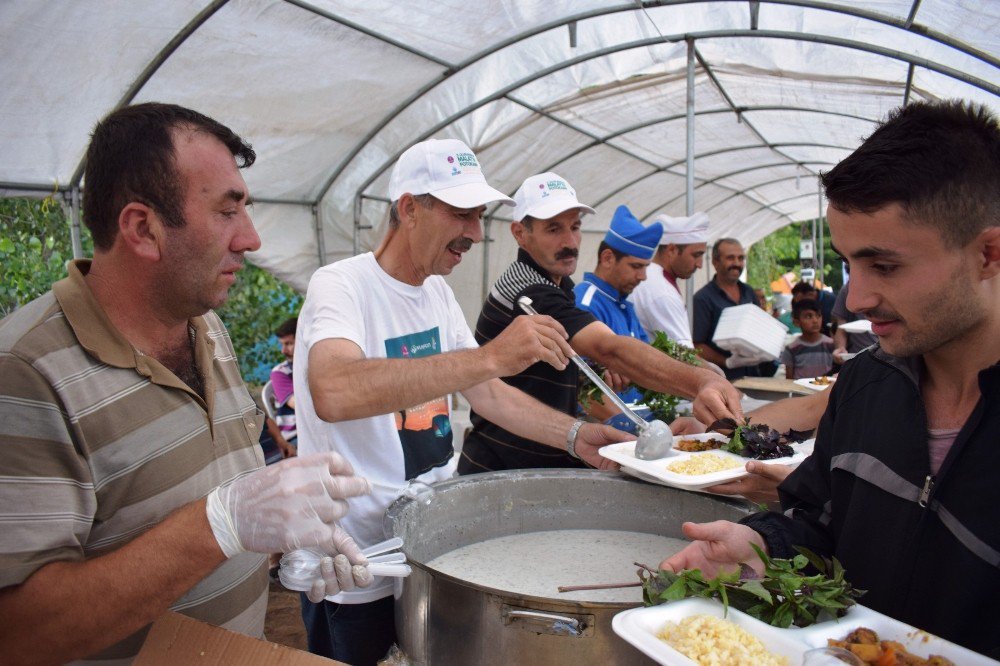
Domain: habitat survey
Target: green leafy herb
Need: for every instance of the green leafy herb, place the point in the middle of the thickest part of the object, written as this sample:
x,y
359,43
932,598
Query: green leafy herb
x,y
662,405
784,596
757,441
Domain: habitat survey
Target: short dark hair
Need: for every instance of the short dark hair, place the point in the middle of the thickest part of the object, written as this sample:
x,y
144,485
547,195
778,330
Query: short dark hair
x,y
715,246
940,161
131,158
803,288
805,305
287,327
619,255
662,249
425,200
528,221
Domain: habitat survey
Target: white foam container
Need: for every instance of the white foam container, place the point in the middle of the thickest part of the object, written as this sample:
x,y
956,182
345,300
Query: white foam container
x,y
748,330
640,626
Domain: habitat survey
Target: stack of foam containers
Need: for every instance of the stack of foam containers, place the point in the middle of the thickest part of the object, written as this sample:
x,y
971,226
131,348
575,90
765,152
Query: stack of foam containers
x,y
749,331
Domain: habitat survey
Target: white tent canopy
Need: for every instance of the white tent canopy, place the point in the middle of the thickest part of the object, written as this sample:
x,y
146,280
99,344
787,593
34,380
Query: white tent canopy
x,y
608,94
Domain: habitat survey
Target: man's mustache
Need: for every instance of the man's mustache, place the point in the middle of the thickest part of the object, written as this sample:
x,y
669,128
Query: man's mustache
x,y
878,315
460,244
567,253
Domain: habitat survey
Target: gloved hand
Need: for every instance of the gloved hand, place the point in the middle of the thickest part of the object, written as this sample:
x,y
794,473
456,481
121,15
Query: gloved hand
x,y
738,360
342,571
292,504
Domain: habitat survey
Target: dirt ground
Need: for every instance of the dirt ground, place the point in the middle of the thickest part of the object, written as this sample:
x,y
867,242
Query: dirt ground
x,y
283,624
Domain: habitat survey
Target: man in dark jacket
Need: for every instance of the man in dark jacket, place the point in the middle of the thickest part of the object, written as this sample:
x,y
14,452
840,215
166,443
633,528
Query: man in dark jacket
x,y
902,488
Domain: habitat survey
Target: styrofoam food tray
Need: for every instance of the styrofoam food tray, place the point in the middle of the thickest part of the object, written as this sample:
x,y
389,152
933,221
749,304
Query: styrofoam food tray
x,y
749,329
640,626
916,641
744,348
810,382
857,326
656,471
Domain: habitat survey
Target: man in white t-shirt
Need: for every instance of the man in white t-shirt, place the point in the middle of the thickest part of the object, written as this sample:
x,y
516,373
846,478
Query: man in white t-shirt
x,y
658,300
382,343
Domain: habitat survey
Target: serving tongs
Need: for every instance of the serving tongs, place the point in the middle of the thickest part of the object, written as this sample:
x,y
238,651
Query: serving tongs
x,y
655,439
383,562
300,568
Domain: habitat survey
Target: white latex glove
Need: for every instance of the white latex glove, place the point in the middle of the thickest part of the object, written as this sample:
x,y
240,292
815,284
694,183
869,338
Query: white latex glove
x,y
739,361
341,572
289,505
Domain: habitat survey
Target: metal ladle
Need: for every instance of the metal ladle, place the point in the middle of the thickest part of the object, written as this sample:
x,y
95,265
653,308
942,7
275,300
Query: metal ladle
x,y
655,439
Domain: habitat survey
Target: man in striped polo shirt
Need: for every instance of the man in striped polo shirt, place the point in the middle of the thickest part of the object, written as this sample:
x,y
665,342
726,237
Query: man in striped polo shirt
x,y
122,408
547,228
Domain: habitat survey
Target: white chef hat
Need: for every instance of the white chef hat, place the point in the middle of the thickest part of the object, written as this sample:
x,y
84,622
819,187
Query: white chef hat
x,y
684,230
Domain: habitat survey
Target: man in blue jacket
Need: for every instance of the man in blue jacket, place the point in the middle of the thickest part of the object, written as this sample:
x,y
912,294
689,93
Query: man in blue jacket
x,y
622,258
902,487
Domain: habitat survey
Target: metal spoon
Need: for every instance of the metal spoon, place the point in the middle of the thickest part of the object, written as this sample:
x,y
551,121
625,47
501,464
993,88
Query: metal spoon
x,y
655,438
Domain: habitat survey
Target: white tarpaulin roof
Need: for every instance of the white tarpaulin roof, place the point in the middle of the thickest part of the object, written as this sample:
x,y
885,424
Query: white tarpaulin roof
x,y
331,92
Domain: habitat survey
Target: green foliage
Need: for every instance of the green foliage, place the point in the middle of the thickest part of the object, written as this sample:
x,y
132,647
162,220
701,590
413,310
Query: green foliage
x,y
776,254
784,596
34,248
35,245
258,303
773,256
662,405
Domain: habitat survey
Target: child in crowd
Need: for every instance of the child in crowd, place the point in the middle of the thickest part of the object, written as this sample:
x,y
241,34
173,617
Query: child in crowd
x,y
810,354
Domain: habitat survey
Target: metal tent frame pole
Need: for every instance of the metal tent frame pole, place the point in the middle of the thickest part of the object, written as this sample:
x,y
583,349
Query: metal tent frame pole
x,y
689,200
74,225
505,91
820,218
320,240
487,241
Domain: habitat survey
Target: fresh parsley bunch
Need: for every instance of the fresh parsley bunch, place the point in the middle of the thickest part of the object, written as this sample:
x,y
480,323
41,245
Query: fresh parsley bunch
x,y
662,405
784,596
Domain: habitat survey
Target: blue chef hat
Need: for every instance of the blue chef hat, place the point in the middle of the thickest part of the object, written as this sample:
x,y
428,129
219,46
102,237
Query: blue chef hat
x,y
629,236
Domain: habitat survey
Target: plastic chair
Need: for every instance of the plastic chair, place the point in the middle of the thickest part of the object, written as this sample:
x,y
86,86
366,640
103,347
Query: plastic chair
x,y
267,397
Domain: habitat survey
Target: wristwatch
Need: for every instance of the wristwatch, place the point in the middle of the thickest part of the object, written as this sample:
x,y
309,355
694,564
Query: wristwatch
x,y
574,430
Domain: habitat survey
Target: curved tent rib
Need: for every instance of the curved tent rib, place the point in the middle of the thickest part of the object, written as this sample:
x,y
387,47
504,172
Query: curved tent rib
x,y
907,25
643,43
681,116
604,110
772,204
150,69
729,175
754,186
720,151
507,90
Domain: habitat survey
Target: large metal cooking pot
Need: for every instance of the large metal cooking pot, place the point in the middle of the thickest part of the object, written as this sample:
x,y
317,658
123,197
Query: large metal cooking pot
x,y
442,620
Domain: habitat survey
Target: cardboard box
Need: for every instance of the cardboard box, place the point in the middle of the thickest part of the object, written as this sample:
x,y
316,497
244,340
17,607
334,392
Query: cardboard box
x,y
177,639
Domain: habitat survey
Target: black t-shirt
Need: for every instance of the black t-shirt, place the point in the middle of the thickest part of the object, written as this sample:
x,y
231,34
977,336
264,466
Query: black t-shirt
x,y
490,447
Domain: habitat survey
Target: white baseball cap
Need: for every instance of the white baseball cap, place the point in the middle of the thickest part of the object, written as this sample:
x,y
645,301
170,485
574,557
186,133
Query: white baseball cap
x,y
544,196
446,169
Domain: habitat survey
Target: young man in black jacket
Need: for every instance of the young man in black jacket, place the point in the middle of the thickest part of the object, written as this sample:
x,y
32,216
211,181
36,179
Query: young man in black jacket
x,y
903,486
